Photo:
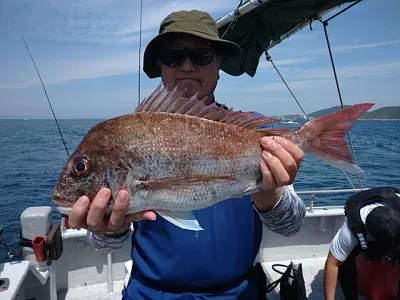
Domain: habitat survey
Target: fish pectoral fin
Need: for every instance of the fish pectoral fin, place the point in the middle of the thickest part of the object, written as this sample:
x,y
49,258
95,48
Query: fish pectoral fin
x,y
182,219
250,190
178,182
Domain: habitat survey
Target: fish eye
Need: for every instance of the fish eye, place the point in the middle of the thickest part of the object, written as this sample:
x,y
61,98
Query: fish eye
x,y
81,167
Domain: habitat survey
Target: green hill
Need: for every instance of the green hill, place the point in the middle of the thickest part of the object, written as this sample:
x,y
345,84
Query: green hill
x,y
384,113
326,111
388,113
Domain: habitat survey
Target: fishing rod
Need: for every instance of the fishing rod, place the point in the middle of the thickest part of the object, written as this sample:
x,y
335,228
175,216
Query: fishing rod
x,y
140,46
44,88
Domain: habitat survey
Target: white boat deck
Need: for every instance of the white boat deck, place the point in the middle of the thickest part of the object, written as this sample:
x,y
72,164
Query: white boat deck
x,y
98,291
15,272
84,273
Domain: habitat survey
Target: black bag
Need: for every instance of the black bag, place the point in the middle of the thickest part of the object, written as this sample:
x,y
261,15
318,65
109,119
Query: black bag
x,y
292,286
258,273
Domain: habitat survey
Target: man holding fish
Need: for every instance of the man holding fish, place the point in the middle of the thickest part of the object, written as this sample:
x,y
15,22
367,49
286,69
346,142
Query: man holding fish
x,y
182,152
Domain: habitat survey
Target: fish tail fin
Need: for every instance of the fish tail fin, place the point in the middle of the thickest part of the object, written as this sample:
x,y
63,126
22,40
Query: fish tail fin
x,y
324,137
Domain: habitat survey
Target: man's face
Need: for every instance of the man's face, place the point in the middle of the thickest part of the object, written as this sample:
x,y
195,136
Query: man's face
x,y
201,79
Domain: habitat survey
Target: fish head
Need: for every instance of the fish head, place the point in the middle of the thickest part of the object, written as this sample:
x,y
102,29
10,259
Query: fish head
x,y
103,159
86,171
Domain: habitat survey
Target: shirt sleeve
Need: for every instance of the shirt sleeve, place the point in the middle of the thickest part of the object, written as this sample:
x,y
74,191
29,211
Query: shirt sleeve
x,y
107,244
287,215
343,243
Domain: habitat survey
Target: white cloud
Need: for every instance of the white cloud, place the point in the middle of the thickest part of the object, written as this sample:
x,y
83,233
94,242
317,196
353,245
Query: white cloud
x,y
294,85
160,11
264,64
81,39
61,71
72,21
355,46
353,71
359,46
97,22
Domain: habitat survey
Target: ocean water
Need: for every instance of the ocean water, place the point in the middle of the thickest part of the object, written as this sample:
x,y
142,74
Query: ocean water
x,y
32,155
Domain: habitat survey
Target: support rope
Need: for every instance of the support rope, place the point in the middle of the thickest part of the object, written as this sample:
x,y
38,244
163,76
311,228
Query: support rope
x,y
325,24
269,58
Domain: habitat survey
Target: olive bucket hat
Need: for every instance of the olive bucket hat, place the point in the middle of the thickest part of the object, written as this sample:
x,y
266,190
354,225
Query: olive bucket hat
x,y
194,22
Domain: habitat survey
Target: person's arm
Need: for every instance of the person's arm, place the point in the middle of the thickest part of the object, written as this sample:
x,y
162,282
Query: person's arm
x,y
341,246
330,276
287,214
108,243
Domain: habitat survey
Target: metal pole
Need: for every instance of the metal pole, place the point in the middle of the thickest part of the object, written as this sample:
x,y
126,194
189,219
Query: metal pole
x,y
53,283
109,271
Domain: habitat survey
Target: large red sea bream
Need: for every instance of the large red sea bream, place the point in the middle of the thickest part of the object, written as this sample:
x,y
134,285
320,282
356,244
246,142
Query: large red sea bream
x,y
174,155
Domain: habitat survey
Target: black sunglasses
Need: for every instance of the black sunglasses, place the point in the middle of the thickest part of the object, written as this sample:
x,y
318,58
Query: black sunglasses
x,y
175,57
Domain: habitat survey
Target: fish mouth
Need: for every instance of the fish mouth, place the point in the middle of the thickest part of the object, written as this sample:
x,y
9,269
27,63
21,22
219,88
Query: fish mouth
x,y
64,210
64,206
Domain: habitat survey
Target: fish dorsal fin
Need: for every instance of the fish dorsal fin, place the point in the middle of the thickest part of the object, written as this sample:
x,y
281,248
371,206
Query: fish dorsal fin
x,y
171,101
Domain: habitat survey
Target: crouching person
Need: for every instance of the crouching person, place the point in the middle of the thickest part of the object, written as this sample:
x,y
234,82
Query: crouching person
x,y
372,229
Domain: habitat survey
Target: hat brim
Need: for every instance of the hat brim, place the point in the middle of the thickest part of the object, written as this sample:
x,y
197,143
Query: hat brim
x,y
224,48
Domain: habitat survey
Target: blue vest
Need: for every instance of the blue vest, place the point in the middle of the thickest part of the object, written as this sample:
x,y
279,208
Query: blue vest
x,y
172,263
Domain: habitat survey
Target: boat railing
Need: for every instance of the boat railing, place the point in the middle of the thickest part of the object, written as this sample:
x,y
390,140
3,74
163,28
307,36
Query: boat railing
x,y
313,193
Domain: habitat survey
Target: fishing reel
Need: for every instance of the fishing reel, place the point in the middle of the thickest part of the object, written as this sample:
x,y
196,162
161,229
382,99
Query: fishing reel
x,y
3,243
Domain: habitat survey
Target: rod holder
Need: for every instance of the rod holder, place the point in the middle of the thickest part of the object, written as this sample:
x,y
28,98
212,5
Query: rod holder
x,y
38,248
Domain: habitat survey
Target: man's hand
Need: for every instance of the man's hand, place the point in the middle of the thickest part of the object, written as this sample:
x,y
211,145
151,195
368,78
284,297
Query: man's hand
x,y
279,164
92,216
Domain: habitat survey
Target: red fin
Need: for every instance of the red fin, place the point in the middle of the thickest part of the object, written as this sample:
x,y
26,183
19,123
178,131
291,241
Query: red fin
x,y
164,100
173,182
324,136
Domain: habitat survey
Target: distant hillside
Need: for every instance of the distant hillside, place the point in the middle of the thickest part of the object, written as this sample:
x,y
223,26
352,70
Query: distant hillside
x,y
326,111
384,113
389,112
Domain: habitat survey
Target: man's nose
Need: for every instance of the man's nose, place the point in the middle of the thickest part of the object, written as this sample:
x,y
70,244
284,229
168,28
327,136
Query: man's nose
x,y
187,65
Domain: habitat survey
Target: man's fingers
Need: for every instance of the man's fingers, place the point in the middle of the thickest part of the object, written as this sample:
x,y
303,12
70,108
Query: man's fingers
x,y
290,147
277,150
268,178
149,215
288,158
279,173
78,213
146,215
94,219
97,210
117,218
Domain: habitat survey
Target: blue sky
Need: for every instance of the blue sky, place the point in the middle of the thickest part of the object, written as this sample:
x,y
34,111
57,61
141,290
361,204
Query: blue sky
x,y
87,55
